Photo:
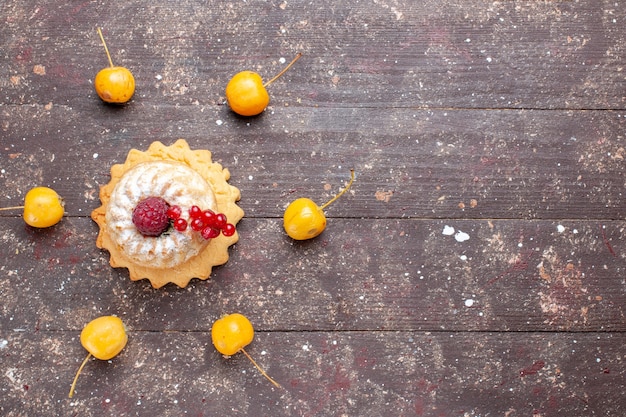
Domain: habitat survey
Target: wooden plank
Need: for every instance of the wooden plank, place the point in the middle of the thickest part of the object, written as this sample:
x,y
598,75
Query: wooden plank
x,y
358,275
409,163
429,54
322,374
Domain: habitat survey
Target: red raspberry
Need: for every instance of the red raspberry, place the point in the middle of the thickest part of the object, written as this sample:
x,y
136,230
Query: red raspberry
x,y
150,216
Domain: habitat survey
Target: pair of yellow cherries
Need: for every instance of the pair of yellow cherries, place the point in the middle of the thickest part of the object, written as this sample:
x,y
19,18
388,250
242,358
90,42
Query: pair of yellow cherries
x,y
105,337
245,92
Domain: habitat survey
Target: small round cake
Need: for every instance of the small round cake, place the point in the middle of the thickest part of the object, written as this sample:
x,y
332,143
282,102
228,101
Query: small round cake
x,y
181,178
175,183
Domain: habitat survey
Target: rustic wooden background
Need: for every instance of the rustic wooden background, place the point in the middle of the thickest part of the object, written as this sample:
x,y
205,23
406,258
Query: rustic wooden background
x,y
476,268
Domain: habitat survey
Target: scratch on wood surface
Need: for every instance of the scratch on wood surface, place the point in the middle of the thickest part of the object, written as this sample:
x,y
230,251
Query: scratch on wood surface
x,y
607,242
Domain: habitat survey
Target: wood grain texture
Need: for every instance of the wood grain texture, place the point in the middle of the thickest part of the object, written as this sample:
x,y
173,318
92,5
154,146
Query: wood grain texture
x,y
475,268
452,54
324,373
409,163
358,275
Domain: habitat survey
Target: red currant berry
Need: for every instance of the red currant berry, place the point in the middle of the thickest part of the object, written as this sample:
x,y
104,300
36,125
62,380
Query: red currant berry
x,y
197,224
229,230
180,224
174,212
195,212
220,221
209,233
208,217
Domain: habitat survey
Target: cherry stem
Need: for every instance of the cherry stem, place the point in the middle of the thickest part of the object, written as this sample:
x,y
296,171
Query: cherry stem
x,y
276,384
77,374
105,47
11,208
343,191
293,61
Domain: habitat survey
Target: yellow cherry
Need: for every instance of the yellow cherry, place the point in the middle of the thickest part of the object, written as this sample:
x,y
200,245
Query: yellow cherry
x,y
304,219
231,333
104,338
114,84
246,93
42,207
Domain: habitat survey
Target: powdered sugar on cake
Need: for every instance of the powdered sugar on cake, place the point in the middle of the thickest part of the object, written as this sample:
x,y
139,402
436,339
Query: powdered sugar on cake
x,y
177,184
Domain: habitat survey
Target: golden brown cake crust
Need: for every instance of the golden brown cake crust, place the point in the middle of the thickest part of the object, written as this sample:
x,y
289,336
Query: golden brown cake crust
x,y
215,253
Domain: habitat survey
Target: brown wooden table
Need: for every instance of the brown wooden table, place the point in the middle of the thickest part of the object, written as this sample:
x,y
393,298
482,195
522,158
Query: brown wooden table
x,y
476,267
